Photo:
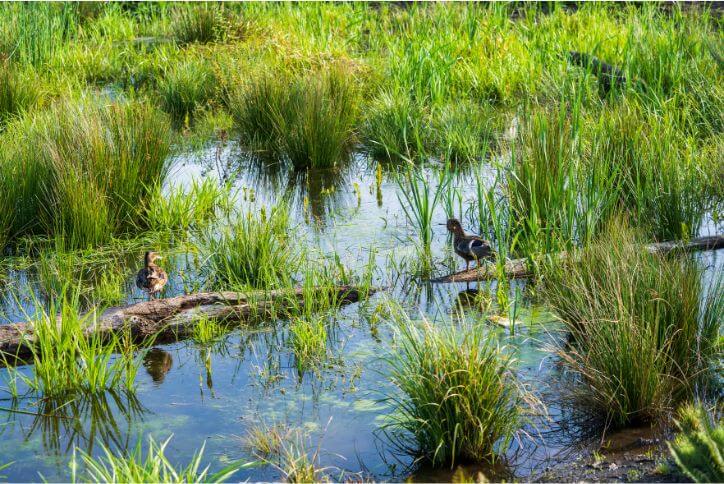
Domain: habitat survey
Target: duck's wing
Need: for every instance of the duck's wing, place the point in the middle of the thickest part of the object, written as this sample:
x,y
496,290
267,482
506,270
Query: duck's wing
x,y
479,248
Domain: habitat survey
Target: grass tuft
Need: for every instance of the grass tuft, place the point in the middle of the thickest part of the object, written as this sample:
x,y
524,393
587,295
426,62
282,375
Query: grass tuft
x,y
459,400
155,467
698,450
644,326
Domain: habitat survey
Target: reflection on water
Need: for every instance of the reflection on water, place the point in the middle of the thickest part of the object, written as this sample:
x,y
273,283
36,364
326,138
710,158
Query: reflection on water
x,y
157,363
216,393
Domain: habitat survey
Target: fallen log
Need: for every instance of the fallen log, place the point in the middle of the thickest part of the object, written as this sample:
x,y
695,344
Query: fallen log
x,y
519,268
608,75
174,318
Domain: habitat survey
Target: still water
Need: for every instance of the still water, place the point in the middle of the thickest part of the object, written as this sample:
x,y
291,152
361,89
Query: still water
x,y
249,378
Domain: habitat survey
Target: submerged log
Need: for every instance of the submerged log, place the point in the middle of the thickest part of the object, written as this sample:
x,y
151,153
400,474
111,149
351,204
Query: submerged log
x,y
608,75
174,318
518,268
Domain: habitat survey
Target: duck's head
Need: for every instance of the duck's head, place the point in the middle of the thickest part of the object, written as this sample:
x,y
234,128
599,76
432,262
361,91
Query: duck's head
x,y
151,257
453,225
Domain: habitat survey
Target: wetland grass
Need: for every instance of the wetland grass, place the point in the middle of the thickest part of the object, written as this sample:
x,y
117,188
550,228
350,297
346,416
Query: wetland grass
x,y
253,250
67,362
308,341
307,120
197,23
183,209
82,169
154,467
645,327
698,449
186,87
396,128
458,397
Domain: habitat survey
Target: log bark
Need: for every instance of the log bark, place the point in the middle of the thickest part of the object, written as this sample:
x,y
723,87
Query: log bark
x,y
519,268
174,318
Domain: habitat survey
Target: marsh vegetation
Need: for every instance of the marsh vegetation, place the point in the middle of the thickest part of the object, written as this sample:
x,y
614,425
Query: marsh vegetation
x,y
263,147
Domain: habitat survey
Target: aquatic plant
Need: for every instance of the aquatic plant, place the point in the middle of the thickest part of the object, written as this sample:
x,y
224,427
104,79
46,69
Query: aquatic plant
x,y
182,209
463,131
285,449
307,120
308,340
81,169
155,467
419,201
396,128
66,361
185,87
201,22
251,250
458,397
207,331
18,92
645,327
698,449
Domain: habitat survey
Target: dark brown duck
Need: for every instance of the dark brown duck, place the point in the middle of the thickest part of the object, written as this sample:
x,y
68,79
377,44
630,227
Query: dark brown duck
x,y
468,246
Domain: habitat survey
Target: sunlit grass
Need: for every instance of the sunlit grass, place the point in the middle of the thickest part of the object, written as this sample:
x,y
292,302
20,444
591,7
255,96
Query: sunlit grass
x,y
67,361
458,397
645,327
154,467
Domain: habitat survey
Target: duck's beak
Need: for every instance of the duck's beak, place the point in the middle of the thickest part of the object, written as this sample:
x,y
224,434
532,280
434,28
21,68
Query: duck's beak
x,y
442,224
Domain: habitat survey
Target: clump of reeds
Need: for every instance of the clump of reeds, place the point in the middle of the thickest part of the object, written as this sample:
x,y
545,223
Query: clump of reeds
x,y
396,128
285,449
459,399
252,250
18,92
182,209
82,169
644,326
463,131
67,361
539,183
308,340
308,120
154,467
207,331
185,87
698,449
197,22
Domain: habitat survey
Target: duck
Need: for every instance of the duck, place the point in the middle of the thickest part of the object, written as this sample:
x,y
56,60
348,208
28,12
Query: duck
x,y
468,246
151,278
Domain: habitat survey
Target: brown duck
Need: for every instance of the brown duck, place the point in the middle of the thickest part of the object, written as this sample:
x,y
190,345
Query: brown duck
x,y
469,247
151,278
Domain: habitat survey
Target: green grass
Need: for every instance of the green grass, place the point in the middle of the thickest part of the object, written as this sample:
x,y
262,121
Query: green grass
x,y
207,331
82,169
307,119
186,87
67,362
645,328
251,250
698,449
308,340
183,209
458,399
199,23
154,467
18,92
396,128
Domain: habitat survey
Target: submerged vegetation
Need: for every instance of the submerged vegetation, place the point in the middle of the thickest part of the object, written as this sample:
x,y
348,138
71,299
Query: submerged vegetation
x,y
299,148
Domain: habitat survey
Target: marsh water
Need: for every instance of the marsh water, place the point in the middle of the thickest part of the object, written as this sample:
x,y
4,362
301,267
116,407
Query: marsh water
x,y
215,394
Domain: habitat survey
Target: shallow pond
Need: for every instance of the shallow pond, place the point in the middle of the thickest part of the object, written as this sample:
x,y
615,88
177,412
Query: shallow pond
x,y
216,394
